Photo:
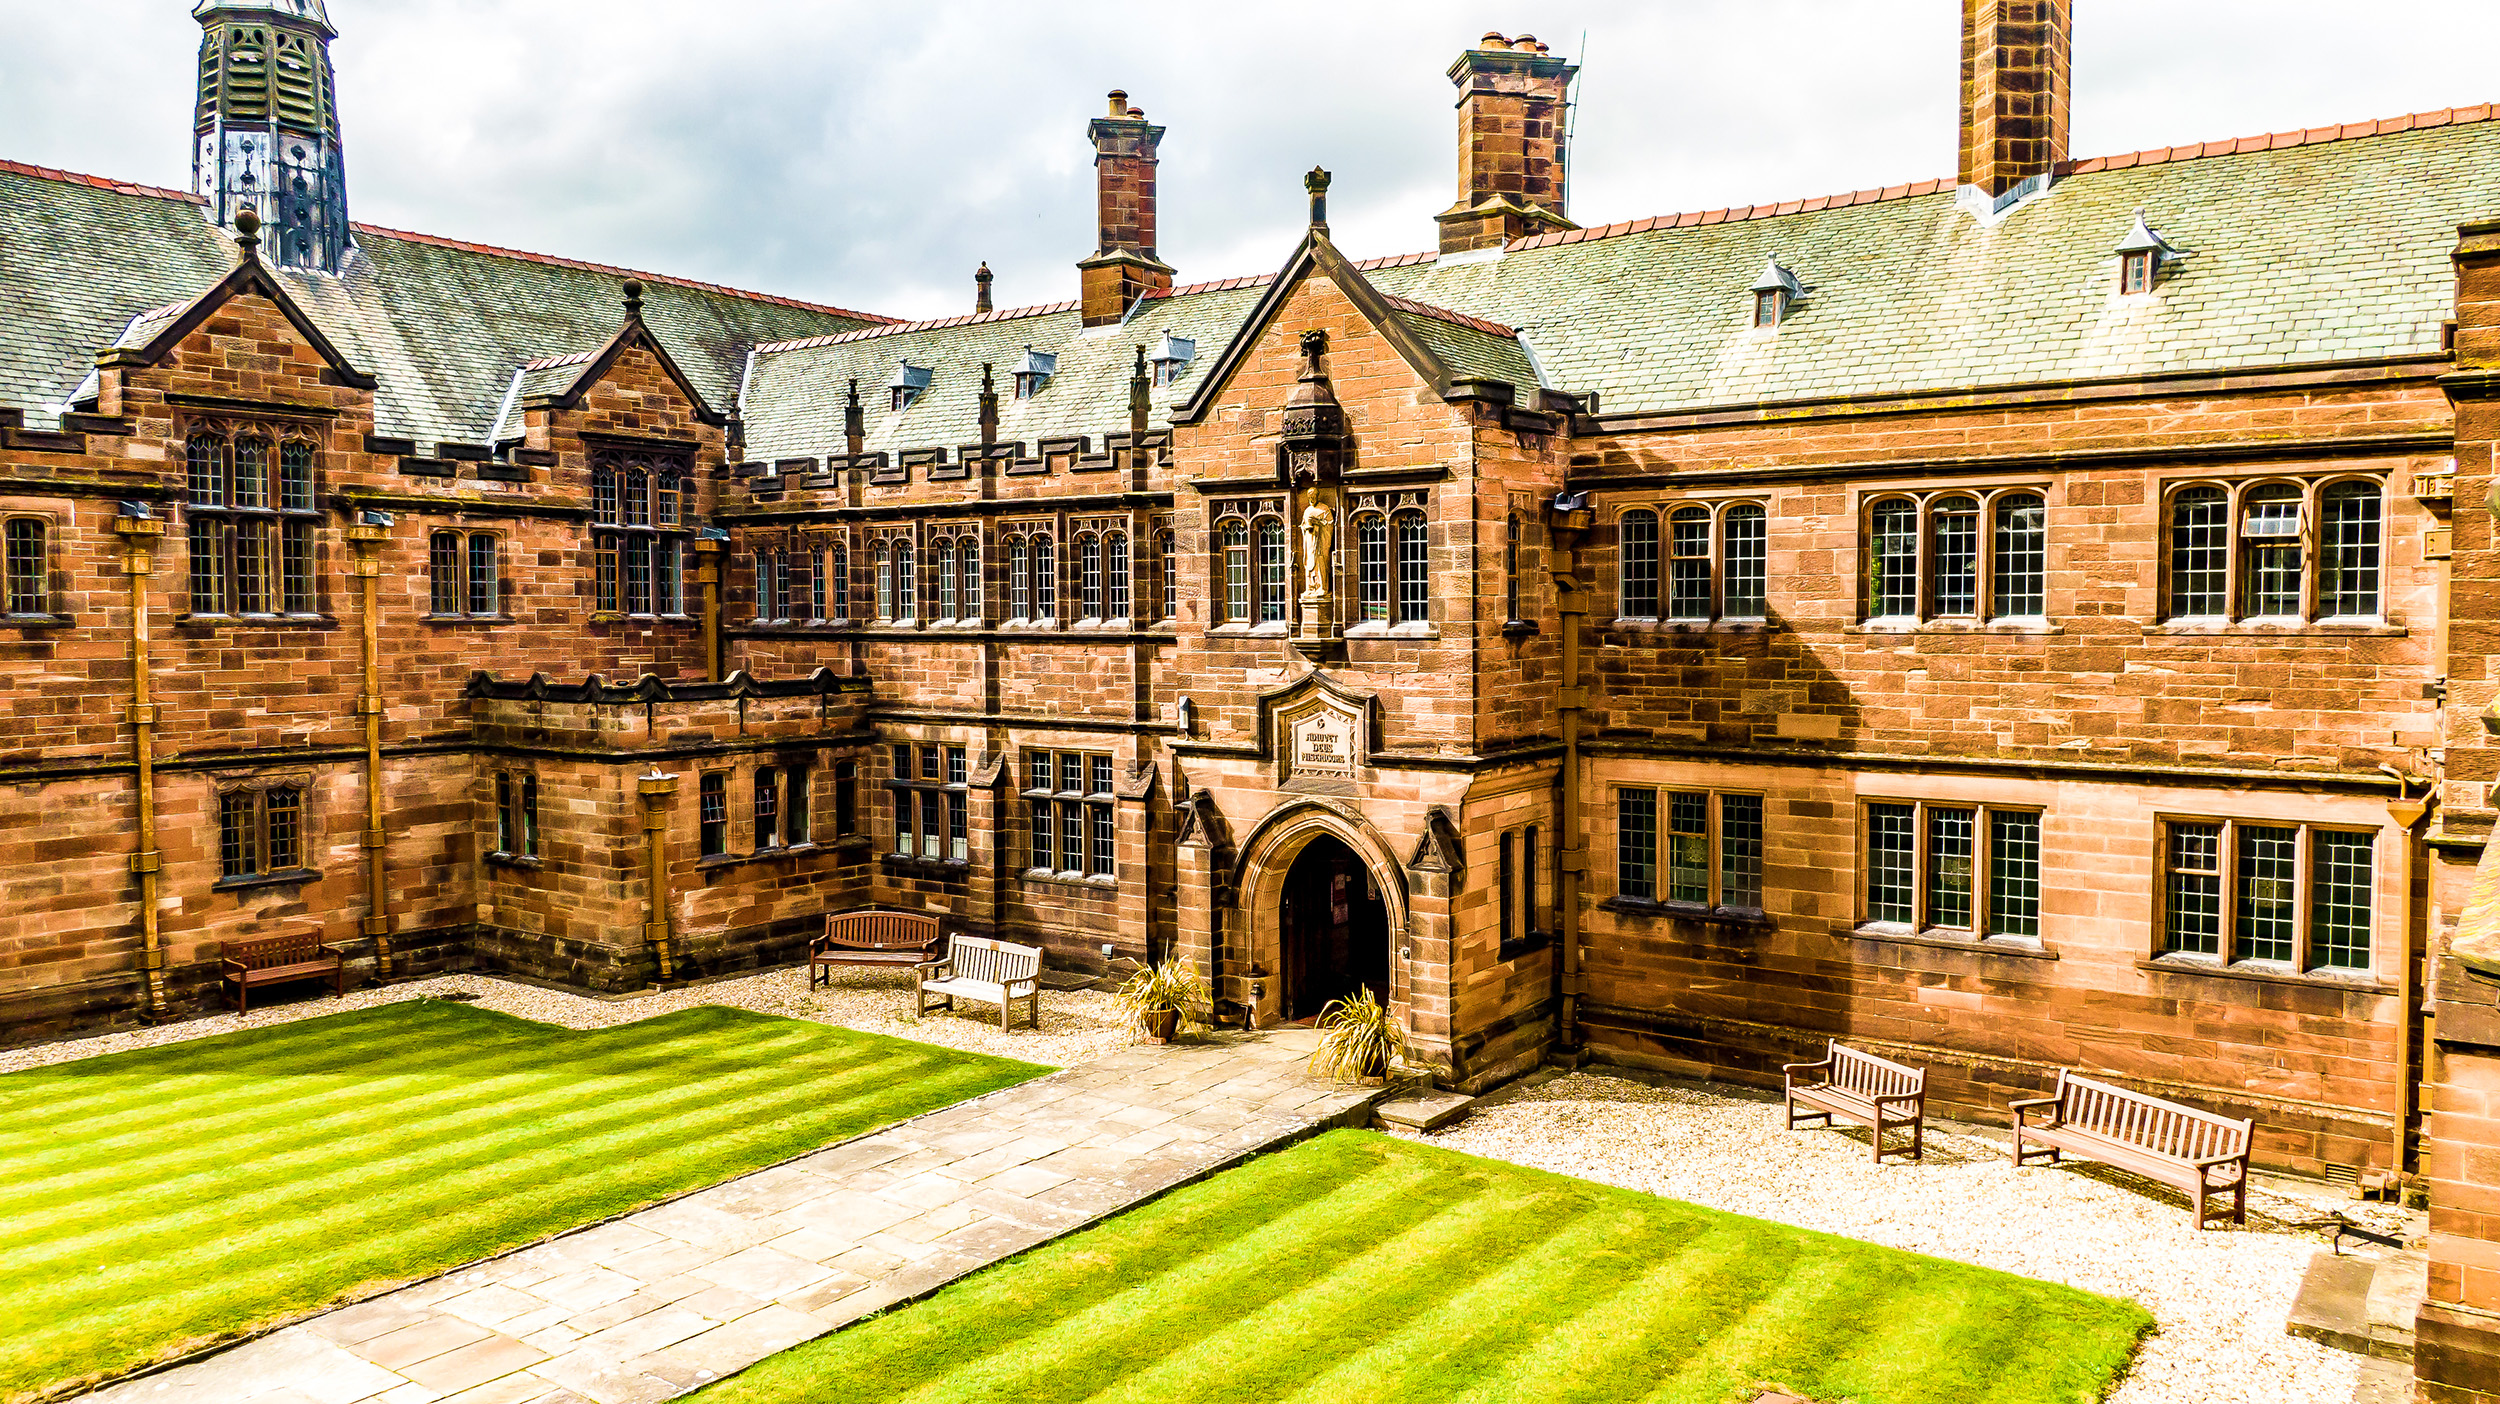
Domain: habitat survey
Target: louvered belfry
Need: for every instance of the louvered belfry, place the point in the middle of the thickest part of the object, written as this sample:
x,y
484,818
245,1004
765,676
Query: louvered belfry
x,y
266,130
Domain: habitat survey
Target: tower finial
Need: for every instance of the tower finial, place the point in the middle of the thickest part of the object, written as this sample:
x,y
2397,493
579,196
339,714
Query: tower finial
x,y
1317,183
266,125
981,287
633,299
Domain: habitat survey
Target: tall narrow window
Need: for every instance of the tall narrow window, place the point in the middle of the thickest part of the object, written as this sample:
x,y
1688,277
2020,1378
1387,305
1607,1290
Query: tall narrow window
x,y
958,827
797,813
283,810
885,583
1892,569
1505,894
1414,568
1638,568
1510,568
1019,580
1167,556
1371,568
767,808
28,568
484,596
2339,899
638,575
932,825
2194,918
906,584
1952,840
1529,911
1745,550
1045,579
845,798
1103,861
837,583
1955,522
238,835
1891,864
1688,568
2348,587
529,816
1274,578
506,816
2270,546
1115,565
443,563
970,607
1089,576
1740,851
2014,874
1236,572
2200,554
1636,844
298,520
1688,847
712,813
2268,914
2022,556
942,562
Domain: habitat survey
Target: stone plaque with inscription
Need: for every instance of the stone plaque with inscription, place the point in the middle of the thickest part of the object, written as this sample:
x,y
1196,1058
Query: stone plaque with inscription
x,y
1323,745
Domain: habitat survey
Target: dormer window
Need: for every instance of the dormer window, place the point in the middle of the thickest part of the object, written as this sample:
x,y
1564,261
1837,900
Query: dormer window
x,y
1034,370
2140,257
1773,292
910,382
1171,357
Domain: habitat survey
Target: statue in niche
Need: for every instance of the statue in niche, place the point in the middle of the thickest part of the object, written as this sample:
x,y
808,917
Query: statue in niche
x,y
1317,522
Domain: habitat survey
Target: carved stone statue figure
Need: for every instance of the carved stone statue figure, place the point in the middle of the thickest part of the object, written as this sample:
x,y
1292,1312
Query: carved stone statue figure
x,y
1317,522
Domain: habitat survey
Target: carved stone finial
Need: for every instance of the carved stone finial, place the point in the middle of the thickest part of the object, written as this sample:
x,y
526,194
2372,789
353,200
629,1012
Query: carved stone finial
x,y
1317,183
981,288
247,231
633,299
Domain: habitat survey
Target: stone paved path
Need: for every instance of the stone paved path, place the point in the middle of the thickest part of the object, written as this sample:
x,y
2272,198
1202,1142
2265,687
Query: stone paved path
x,y
666,1300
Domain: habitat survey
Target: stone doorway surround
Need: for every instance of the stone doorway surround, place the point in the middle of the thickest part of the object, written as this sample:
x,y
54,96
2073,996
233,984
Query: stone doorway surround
x,y
1265,870
1333,929
667,1299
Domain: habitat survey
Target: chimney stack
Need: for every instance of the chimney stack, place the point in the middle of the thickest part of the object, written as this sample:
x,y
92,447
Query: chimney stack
x,y
2017,71
1124,267
1513,99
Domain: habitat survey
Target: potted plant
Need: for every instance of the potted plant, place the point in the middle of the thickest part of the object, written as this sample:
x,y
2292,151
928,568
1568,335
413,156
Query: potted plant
x,y
1360,1040
1164,1001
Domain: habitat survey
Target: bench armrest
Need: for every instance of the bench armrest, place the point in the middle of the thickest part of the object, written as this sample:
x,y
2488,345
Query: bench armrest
x,y
2032,1102
2209,1162
1914,1098
1020,988
935,970
1804,1067
336,948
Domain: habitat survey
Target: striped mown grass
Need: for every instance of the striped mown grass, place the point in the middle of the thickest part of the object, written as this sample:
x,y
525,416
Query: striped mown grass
x,y
1356,1267
163,1198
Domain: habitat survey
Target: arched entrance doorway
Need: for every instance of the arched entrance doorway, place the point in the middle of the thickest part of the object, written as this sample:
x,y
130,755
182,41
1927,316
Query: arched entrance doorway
x,y
1335,928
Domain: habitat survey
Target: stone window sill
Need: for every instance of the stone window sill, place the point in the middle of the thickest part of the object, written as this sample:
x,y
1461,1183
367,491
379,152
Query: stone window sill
x,y
515,860
1519,629
945,869
1689,626
1393,633
1954,626
1528,945
466,619
1688,911
35,621
1099,882
2261,628
732,860
289,877
2352,981
257,621
2014,946
609,616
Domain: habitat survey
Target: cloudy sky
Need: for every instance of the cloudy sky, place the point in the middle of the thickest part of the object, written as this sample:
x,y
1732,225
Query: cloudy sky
x,y
870,155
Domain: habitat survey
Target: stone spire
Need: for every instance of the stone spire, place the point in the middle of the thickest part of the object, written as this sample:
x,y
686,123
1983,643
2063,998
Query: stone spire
x,y
266,131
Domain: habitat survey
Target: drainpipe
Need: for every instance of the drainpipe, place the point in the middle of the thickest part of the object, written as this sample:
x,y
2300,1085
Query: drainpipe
x,y
138,531
656,789
1570,519
366,536
707,561
2408,812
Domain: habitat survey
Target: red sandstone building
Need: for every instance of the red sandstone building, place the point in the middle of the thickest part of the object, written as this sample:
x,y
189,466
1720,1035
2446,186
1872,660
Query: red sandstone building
x,y
2011,622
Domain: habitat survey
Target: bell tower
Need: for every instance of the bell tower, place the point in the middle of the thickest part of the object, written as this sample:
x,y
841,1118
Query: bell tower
x,y
266,131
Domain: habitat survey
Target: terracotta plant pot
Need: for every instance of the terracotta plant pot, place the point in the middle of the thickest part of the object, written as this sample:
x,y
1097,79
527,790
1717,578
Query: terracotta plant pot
x,y
1163,1025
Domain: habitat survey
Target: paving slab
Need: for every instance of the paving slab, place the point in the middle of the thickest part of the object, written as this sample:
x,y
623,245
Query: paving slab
x,y
668,1299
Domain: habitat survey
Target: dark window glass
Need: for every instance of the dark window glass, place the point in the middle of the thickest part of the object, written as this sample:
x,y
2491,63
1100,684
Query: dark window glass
x,y
2014,874
1740,851
1505,894
1414,568
238,835
1527,882
836,585
1688,577
2200,554
932,824
295,574
1019,581
1636,844
1105,854
2339,900
1956,526
1892,561
1950,838
27,567
206,457
1115,575
1891,864
1371,567
1745,548
1236,572
713,813
1089,577
906,584
958,828
251,565
1688,847
2267,911
2349,542
1273,575
1166,551
208,567
285,811
638,575
482,584
767,807
1510,567
504,838
1044,829
2270,546
529,816
1071,837
2193,922
1045,579
2022,556
295,476
942,564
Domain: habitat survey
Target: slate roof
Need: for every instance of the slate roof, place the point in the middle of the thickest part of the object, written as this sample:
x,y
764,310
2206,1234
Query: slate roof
x,y
443,324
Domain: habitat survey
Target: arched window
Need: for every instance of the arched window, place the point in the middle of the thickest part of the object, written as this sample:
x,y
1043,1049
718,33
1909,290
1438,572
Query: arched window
x,y
1955,586
2022,557
1414,568
1045,578
1115,575
1167,555
2270,552
968,608
1510,568
1019,579
637,498
1892,565
2348,546
813,562
885,583
2200,554
1371,568
1236,571
771,593
1743,553
1636,569
1089,577
1688,563
28,566
603,506
1274,577
906,584
838,583
667,496
942,561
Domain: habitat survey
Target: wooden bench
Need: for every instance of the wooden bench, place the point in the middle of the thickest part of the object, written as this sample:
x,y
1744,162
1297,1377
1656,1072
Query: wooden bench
x,y
983,969
2203,1154
276,960
1877,1093
895,940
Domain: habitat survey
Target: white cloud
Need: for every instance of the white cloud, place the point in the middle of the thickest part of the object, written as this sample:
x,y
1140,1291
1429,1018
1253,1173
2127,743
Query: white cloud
x,y
871,155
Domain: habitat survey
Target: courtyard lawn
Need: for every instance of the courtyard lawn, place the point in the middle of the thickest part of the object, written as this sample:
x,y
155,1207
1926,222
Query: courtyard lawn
x,y
1357,1267
171,1196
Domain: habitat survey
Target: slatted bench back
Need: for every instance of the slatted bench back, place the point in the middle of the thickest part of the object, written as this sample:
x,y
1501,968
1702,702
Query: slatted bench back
x,y
270,952
2164,1128
881,931
1871,1077
996,962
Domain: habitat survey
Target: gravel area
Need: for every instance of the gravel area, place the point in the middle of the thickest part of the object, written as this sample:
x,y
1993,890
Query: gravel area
x,y
2220,1297
1078,1026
